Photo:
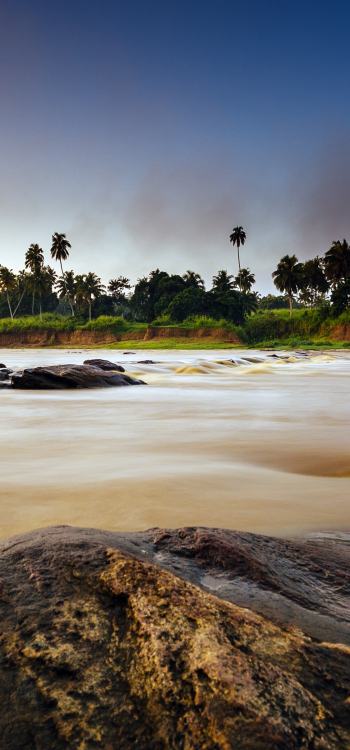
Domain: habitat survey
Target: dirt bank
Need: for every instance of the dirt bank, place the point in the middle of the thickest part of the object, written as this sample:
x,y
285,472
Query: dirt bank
x,y
38,338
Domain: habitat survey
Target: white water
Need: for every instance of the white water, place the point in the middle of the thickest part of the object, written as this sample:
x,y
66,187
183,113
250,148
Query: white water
x,y
262,447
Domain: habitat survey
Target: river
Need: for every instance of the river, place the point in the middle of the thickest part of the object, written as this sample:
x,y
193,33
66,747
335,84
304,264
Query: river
x,y
260,446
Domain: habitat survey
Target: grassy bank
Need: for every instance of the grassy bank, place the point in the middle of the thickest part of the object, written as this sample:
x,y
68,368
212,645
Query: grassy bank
x,y
313,329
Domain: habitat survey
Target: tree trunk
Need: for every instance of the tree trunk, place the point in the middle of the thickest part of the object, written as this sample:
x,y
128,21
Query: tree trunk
x,y
90,311
67,295
9,304
239,268
40,310
33,300
290,297
19,302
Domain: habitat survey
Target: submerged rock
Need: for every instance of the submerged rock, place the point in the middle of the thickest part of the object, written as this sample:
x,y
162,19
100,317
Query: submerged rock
x,y
100,647
58,377
104,364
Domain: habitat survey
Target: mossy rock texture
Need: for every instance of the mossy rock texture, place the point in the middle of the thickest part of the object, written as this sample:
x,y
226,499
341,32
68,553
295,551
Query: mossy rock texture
x,y
101,647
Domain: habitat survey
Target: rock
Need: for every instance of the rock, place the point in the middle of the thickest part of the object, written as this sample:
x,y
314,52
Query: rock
x,y
4,373
100,647
69,376
104,364
5,384
146,362
2,366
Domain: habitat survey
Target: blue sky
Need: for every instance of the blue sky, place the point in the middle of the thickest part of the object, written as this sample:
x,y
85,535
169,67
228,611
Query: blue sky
x,y
147,130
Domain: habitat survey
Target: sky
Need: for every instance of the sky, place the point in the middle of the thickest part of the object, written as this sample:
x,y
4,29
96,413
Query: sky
x,y
146,130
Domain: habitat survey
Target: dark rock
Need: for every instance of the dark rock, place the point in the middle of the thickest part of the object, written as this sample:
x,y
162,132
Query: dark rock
x,y
2,366
146,362
100,647
69,376
104,364
5,384
4,373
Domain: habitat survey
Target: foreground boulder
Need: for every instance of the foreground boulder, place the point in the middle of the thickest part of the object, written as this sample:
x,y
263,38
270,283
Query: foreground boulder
x,y
102,648
104,364
58,377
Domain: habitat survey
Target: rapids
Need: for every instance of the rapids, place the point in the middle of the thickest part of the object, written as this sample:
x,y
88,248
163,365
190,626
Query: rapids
x,y
239,439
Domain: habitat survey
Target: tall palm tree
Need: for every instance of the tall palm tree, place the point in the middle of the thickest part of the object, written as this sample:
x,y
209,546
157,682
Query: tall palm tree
x,y
60,252
238,238
288,277
89,288
66,287
223,282
337,262
117,287
245,280
34,261
8,284
191,278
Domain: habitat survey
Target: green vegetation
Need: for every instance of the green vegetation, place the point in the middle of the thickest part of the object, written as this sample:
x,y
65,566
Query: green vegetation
x,y
314,299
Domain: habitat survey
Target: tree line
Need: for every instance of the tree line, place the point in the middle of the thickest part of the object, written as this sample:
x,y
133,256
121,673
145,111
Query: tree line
x,y
160,296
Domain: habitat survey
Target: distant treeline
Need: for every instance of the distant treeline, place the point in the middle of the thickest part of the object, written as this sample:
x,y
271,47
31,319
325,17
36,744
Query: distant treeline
x,y
162,297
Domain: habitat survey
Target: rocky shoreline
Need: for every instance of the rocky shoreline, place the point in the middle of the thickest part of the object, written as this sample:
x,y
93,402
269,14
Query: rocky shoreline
x,y
188,638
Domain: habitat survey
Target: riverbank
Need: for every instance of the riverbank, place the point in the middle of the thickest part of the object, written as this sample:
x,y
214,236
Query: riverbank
x,y
306,329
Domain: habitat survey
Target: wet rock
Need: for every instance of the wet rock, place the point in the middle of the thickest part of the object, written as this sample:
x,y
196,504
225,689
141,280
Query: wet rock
x,y
5,384
4,373
104,364
100,647
2,366
58,377
146,362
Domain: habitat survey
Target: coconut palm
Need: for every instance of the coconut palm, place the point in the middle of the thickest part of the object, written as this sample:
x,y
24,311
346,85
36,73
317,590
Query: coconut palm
x,y
245,280
288,277
60,252
337,262
8,283
222,282
89,288
66,287
191,278
238,238
117,287
34,261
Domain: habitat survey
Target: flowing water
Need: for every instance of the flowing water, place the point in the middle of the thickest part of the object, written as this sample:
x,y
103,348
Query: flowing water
x,y
256,445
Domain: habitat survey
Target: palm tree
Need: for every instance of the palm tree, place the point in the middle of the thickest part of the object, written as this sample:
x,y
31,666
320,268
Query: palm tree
x,y
245,280
222,282
191,278
60,252
337,262
117,287
8,283
34,261
89,288
288,277
66,287
238,237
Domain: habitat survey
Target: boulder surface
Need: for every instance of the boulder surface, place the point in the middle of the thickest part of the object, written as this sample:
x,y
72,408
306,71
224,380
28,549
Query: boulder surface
x,y
58,377
104,364
101,647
